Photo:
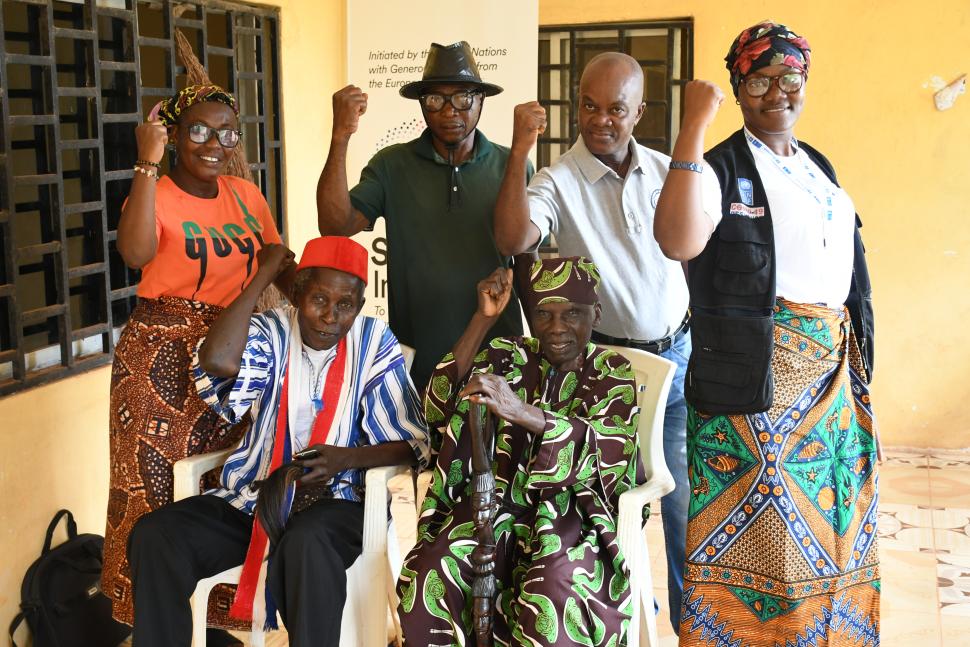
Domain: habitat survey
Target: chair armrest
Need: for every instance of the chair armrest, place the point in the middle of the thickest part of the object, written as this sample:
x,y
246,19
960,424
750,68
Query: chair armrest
x,y
188,471
629,523
635,498
375,505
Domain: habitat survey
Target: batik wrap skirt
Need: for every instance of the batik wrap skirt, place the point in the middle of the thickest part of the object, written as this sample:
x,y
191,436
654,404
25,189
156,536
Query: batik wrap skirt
x,y
156,419
781,538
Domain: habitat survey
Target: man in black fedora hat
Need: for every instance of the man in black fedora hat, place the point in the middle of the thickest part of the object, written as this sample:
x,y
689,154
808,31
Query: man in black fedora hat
x,y
437,195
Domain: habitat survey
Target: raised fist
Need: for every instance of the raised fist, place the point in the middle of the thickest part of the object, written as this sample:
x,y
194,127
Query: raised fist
x,y
150,138
494,292
349,104
528,123
701,102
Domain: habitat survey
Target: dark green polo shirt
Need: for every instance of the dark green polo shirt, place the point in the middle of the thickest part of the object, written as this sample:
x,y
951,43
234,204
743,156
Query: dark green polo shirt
x,y
440,241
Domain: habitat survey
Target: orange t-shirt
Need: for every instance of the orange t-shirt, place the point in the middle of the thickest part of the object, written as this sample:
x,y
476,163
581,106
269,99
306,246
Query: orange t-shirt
x,y
207,246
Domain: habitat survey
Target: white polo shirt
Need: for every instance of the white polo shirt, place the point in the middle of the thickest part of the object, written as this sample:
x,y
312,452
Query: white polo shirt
x,y
594,212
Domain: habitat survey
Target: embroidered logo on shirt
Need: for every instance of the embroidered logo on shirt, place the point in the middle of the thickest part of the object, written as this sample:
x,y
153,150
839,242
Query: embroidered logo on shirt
x,y
654,197
738,209
747,191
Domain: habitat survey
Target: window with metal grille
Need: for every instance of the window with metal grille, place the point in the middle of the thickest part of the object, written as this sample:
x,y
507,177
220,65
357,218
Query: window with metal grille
x,y
76,77
663,48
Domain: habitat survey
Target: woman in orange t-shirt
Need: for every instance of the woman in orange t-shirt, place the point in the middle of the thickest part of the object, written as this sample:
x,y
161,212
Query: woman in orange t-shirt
x,y
195,234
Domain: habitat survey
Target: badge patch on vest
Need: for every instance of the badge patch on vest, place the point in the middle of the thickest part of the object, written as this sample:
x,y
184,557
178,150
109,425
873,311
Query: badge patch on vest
x,y
747,191
738,209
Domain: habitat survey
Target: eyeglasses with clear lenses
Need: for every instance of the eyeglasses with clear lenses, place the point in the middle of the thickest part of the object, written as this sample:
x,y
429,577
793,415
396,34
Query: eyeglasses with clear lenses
x,y
789,83
200,134
460,101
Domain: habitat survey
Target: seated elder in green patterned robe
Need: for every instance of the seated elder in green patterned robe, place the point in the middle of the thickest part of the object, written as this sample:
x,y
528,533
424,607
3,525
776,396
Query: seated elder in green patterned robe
x,y
566,448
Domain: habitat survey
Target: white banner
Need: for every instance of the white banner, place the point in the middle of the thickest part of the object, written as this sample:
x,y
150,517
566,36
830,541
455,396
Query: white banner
x,y
387,45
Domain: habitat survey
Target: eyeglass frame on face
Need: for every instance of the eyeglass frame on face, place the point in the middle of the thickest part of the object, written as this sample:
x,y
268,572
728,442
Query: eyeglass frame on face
x,y
449,98
219,133
776,79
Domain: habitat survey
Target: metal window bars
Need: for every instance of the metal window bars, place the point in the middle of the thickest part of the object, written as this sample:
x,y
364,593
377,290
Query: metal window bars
x,y
76,76
663,48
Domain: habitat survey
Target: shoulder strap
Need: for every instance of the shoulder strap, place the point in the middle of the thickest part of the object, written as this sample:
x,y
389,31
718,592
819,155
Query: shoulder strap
x,y
17,620
71,529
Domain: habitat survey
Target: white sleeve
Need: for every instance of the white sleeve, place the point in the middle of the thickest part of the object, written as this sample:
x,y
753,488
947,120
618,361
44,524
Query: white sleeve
x,y
711,194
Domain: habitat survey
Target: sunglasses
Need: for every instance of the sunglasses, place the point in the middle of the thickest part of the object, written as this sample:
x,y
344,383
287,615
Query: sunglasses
x,y
789,83
200,134
460,101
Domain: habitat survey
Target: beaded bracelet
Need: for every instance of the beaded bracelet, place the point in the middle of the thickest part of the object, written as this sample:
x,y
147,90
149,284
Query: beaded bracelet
x,y
687,166
147,163
150,172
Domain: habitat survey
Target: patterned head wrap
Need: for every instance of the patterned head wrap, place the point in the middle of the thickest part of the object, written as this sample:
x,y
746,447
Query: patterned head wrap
x,y
556,280
765,44
170,109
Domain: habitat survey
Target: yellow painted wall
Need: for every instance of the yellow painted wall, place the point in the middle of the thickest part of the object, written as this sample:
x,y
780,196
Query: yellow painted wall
x,y
54,439
906,165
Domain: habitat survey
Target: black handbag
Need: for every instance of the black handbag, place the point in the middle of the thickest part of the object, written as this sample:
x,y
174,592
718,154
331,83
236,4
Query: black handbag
x,y
61,597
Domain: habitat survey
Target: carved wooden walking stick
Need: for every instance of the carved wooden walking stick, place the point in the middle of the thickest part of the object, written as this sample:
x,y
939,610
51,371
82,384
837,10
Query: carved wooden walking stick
x,y
484,508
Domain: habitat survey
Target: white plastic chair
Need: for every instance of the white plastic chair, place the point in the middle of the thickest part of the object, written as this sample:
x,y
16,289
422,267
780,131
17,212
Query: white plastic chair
x,y
364,622
654,375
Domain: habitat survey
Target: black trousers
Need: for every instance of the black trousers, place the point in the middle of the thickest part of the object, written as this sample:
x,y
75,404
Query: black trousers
x,y
174,547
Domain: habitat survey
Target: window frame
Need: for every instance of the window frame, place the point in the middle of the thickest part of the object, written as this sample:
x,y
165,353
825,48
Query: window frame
x,y
68,350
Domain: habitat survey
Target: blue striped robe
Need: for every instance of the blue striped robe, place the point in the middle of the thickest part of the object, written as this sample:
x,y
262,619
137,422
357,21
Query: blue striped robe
x,y
389,408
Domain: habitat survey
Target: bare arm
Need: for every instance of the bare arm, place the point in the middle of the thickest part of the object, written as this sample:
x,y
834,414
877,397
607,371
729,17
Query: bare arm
x,y
335,213
680,224
137,241
514,231
493,295
223,347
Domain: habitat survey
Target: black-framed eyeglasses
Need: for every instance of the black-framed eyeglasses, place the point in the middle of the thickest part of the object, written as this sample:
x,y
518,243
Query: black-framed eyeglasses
x,y
200,134
460,101
789,83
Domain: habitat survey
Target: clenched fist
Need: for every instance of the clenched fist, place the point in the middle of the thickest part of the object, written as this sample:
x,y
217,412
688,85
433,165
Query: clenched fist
x,y
494,292
701,102
528,123
151,138
349,104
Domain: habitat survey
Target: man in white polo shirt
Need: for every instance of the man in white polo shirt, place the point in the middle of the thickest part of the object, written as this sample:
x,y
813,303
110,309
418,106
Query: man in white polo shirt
x,y
598,200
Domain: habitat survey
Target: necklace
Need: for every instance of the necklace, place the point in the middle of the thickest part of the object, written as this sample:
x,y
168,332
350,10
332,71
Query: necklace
x,y
316,378
819,188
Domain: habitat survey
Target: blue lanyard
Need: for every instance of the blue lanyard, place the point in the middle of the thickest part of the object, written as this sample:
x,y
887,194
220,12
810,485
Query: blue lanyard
x,y
824,201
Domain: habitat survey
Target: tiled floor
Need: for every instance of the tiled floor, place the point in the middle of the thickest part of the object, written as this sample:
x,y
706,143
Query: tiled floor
x,y
924,528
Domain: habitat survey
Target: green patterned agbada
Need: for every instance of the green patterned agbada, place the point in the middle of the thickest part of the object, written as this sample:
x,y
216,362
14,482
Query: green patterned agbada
x,y
560,574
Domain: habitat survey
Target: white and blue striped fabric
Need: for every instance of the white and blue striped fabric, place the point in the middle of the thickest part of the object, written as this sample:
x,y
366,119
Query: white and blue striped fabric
x,y
382,403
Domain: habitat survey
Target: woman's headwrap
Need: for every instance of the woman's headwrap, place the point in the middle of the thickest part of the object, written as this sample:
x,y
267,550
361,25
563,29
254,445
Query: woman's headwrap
x,y
765,44
556,280
170,109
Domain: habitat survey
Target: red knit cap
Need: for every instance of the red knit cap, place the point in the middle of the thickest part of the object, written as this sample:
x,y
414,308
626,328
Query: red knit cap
x,y
337,252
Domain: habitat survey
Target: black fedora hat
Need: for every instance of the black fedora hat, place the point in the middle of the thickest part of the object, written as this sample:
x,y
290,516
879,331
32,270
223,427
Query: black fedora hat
x,y
449,64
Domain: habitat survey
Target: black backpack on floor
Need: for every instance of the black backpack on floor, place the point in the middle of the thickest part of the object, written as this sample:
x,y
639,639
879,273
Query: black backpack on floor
x,y
61,595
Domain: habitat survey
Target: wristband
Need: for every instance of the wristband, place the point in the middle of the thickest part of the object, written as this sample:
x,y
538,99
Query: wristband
x,y
686,166
147,163
150,172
